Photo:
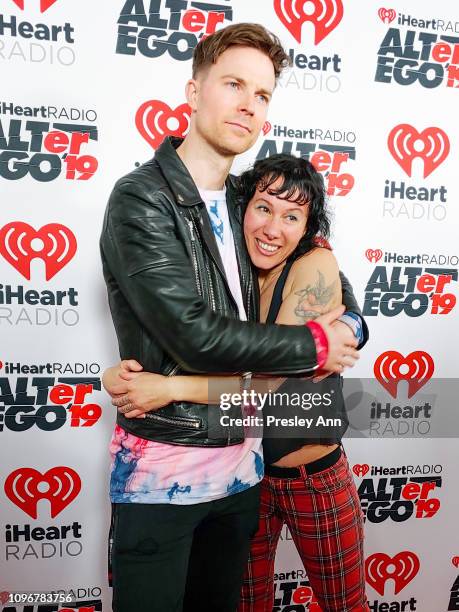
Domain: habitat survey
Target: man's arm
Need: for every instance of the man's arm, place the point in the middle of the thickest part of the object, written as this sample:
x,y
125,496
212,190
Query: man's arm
x,y
153,271
149,261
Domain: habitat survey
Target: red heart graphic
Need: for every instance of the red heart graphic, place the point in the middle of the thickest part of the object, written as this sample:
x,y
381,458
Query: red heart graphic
x,y
401,569
44,4
406,143
57,246
361,469
420,368
326,16
153,120
455,561
21,487
387,15
266,127
373,255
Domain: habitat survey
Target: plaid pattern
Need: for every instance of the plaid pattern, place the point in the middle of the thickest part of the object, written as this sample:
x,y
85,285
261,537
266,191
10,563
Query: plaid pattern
x,y
323,514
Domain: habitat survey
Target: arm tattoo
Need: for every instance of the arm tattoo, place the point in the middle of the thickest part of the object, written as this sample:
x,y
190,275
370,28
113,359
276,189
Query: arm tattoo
x,y
315,296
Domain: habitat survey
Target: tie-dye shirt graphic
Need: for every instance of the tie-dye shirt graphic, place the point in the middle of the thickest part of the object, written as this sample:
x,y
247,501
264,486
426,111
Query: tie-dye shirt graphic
x,y
147,472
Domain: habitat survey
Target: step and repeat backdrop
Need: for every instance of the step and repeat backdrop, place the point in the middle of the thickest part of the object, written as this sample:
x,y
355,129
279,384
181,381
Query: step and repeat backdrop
x,y
89,90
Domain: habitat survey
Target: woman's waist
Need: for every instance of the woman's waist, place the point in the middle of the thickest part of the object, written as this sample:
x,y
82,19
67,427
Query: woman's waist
x,y
306,454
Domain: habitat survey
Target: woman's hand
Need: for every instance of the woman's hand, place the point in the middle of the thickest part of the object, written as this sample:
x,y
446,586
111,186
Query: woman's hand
x,y
112,378
143,392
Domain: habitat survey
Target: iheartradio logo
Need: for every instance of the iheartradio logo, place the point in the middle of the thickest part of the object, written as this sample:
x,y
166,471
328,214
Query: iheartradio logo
x,y
373,255
266,127
455,561
20,243
155,120
361,469
44,4
402,568
324,14
387,15
391,367
25,487
406,143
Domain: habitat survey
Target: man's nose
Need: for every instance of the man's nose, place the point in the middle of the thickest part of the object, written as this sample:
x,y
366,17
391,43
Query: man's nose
x,y
247,103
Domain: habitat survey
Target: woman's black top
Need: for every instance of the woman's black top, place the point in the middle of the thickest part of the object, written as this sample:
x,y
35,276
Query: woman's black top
x,y
281,439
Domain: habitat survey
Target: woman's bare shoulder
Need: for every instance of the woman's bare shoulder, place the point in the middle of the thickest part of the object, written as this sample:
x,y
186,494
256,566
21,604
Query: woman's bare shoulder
x,y
309,265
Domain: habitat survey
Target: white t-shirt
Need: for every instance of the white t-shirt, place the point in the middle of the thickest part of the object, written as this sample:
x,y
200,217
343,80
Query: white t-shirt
x,y
217,210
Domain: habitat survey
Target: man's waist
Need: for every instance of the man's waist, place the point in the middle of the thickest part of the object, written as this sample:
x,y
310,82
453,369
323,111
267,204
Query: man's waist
x,y
185,423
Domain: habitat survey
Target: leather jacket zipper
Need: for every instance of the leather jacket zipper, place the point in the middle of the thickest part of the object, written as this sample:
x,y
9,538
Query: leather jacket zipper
x,y
177,421
194,256
193,231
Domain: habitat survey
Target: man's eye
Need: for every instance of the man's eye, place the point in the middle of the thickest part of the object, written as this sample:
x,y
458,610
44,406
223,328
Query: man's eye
x,y
234,84
263,99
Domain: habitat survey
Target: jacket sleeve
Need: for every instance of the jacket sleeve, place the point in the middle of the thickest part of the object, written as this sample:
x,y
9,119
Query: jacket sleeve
x,y
351,305
148,259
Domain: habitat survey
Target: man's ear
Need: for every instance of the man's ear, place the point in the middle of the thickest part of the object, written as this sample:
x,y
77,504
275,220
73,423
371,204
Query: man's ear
x,y
191,93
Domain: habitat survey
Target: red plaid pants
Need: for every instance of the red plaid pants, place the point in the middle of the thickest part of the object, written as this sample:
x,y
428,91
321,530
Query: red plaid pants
x,y
322,512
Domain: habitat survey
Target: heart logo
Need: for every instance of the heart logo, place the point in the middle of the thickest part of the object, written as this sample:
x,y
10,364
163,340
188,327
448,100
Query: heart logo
x,y
155,120
373,255
387,15
20,243
418,369
402,568
266,127
325,16
455,561
406,143
44,4
59,485
361,469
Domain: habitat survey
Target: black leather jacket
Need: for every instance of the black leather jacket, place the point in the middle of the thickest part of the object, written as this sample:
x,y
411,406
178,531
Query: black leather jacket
x,y
170,301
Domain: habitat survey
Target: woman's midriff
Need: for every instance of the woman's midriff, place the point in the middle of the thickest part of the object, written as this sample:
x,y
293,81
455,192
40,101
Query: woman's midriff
x,y
305,454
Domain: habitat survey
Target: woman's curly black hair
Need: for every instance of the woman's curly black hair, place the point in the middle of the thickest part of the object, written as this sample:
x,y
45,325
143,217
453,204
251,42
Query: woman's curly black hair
x,y
301,183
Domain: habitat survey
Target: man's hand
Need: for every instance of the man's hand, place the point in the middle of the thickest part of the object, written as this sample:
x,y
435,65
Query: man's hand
x,y
343,328
342,343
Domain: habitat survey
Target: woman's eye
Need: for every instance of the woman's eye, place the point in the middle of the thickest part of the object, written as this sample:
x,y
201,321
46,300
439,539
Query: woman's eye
x,y
292,218
262,208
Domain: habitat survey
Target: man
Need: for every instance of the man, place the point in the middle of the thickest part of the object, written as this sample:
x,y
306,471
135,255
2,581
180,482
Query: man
x,y
181,289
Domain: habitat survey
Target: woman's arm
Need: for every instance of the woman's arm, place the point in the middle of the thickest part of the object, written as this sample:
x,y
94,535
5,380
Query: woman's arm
x,y
135,392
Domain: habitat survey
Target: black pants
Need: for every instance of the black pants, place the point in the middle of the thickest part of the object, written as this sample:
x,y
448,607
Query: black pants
x,y
169,558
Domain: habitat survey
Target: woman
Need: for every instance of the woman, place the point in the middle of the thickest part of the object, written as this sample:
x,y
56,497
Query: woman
x,y
307,483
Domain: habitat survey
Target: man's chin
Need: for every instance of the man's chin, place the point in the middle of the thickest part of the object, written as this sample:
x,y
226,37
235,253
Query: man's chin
x,y
231,146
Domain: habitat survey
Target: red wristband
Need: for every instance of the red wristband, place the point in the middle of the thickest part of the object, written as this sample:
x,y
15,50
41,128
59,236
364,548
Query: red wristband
x,y
321,342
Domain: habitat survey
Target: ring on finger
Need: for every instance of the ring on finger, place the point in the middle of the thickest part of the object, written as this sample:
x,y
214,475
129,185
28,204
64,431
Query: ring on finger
x,y
121,401
126,408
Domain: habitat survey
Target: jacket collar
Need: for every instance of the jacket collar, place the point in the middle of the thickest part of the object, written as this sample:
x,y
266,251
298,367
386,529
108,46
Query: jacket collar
x,y
179,179
176,174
